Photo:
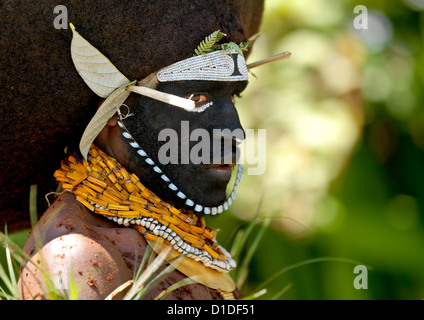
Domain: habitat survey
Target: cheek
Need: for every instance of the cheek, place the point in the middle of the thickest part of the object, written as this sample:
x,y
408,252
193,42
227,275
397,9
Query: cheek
x,y
193,180
152,125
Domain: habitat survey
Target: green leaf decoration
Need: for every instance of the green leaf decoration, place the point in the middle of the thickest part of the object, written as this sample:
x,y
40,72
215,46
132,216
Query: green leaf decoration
x,y
102,116
231,46
207,45
239,48
210,44
96,70
244,46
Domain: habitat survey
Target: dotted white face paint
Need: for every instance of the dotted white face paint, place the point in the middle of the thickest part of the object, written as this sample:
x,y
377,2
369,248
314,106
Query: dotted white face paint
x,y
201,108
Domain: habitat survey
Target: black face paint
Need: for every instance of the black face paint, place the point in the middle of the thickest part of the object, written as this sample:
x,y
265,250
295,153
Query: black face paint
x,y
183,183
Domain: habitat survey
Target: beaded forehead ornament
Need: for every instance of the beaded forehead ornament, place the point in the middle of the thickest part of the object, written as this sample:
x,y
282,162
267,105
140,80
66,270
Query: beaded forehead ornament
x,y
215,66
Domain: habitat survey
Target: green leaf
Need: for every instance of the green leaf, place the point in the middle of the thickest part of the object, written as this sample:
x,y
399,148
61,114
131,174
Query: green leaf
x,y
33,205
255,295
140,282
244,46
231,46
207,45
175,286
243,235
12,275
306,262
277,295
8,283
243,270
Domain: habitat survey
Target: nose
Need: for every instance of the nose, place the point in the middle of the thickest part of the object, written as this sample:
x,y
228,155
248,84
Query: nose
x,y
227,131
233,137
224,115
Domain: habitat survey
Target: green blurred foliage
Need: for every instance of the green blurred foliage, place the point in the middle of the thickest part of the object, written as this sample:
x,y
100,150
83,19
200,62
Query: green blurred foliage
x,y
345,139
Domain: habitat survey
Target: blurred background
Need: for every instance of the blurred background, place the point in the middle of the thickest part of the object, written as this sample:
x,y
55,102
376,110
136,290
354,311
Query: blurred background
x,y
345,136
344,121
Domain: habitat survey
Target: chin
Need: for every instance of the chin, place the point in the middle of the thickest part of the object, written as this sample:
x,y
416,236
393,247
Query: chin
x,y
204,185
213,197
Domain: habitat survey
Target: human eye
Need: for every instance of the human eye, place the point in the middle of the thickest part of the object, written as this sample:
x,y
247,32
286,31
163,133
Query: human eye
x,y
198,97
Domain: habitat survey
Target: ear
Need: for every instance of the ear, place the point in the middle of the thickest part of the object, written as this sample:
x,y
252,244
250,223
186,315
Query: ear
x,y
109,136
113,122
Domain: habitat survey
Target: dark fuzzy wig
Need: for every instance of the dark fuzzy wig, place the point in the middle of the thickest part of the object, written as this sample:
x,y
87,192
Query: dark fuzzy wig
x,y
45,105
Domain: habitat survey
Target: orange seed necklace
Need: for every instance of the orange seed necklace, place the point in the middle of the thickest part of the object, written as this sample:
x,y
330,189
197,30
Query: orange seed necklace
x,y
105,187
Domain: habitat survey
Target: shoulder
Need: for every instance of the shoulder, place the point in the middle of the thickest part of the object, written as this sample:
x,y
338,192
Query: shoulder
x,y
68,216
67,246
58,220
73,266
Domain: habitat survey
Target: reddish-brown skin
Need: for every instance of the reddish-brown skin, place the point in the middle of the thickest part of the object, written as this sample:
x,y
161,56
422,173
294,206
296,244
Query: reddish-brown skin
x,y
100,254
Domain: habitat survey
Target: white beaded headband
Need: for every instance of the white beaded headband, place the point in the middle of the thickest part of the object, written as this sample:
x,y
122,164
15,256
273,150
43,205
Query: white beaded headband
x,y
215,66
108,82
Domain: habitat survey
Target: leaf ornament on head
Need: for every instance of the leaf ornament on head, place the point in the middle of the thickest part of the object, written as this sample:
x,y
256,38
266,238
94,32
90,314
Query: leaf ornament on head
x,y
108,82
209,44
97,71
104,79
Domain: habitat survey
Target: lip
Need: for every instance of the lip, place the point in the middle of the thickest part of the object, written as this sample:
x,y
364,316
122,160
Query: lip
x,y
221,167
227,162
221,171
